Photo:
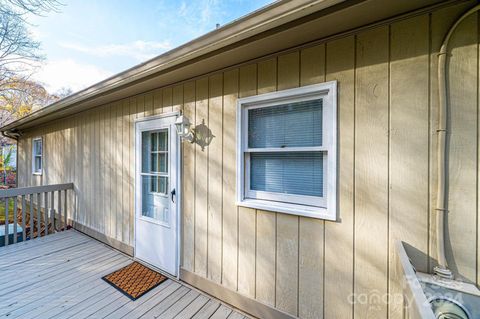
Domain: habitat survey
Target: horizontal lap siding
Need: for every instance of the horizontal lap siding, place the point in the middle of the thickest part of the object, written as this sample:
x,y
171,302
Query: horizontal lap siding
x,y
308,268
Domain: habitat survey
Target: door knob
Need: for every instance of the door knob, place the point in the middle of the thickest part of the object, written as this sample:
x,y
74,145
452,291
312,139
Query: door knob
x,y
172,194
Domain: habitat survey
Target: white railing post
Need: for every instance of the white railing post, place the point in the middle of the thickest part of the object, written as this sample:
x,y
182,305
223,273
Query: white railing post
x,y
31,216
46,213
6,222
15,212
24,232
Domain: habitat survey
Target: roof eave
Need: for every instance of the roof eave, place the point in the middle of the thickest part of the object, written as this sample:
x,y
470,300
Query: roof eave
x,y
273,15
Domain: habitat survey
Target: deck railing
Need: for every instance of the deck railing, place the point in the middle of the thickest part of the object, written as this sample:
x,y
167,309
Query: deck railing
x,y
35,206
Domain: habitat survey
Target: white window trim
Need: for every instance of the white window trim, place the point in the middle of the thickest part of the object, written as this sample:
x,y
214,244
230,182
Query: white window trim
x,y
34,171
322,208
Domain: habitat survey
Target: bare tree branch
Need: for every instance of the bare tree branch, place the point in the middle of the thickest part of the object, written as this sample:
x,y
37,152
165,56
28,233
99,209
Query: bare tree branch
x,y
19,57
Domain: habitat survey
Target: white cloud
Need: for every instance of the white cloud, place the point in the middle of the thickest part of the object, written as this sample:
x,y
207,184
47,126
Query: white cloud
x,y
199,15
67,73
138,50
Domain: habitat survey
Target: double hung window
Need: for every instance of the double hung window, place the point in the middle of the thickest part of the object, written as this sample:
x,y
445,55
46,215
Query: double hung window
x,y
287,151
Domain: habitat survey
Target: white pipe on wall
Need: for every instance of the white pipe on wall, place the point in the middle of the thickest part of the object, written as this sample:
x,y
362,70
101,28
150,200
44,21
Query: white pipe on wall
x,y
442,268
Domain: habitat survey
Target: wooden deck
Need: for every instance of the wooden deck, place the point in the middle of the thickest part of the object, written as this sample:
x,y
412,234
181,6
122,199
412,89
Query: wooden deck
x,y
59,276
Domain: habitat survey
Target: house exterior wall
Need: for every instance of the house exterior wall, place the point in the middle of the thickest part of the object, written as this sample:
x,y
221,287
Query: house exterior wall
x,y
309,268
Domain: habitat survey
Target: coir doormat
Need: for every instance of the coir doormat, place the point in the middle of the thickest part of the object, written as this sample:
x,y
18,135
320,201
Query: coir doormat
x,y
134,280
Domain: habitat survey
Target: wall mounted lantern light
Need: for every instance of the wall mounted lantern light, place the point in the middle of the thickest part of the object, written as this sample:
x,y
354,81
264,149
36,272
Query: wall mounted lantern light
x,y
182,125
200,134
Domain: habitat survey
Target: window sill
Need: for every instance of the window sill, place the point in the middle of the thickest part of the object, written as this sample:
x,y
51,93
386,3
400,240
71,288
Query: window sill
x,y
37,174
287,208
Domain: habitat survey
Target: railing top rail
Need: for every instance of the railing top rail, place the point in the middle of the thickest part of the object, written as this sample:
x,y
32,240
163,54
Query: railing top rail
x,y
4,193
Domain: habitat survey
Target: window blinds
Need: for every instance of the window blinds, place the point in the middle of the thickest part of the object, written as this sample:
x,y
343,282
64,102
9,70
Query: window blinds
x,y
299,173
296,124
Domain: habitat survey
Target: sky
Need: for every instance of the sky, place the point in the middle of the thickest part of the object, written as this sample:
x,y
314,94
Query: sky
x,y
90,40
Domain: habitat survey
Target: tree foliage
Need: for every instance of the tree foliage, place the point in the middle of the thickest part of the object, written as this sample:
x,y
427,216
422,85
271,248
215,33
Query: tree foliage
x,y
19,55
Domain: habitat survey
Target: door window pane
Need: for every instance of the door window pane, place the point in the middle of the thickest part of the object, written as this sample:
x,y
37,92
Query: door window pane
x,y
155,152
155,203
163,141
159,184
155,179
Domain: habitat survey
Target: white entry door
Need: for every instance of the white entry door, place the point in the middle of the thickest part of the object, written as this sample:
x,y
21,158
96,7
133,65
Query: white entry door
x,y
156,194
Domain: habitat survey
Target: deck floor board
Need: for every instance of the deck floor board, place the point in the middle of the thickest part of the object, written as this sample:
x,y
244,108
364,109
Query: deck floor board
x,y
59,276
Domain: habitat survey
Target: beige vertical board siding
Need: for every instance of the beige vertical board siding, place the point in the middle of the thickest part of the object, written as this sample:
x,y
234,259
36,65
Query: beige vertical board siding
x,y
89,179
266,236
126,168
287,264
387,113
140,102
131,171
178,98
113,172
92,170
266,221
311,231
85,174
371,172
96,207
81,168
78,168
246,251
118,167
101,169
69,168
43,133
312,65
49,147
288,71
230,211
107,167
157,101
267,76
20,162
148,105
28,148
52,169
167,100
247,216
75,157
28,159
70,165
478,172
462,161
188,184
340,66
215,123
86,168
287,225
409,136
201,181
144,107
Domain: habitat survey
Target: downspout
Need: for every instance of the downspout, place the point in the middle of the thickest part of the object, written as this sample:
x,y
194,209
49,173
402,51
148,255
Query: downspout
x,y
442,268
